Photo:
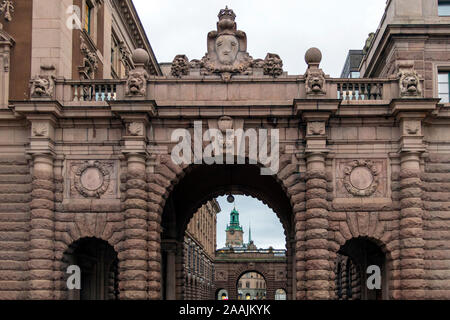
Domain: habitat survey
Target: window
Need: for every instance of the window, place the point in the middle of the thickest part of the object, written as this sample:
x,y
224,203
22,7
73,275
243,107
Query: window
x,y
88,9
443,86
444,8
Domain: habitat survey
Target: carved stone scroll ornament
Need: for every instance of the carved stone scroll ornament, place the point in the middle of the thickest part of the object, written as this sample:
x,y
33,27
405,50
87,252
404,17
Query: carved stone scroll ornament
x,y
90,61
7,7
180,66
42,86
92,179
361,178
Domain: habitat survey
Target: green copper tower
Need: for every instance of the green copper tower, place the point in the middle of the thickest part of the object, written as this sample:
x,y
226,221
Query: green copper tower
x,y
235,234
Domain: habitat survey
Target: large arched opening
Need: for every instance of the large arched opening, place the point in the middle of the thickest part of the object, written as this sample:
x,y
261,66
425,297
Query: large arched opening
x,y
98,263
361,264
251,286
200,184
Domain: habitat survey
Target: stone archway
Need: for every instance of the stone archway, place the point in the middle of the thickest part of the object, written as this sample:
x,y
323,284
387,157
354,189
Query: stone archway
x,y
98,262
355,259
193,186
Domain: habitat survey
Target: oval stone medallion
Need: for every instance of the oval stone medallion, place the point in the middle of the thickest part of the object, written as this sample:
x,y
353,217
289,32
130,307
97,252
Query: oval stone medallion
x,y
361,178
92,179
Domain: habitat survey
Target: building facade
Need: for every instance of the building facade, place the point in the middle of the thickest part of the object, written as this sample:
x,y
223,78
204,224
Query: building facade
x,y
200,248
88,175
244,272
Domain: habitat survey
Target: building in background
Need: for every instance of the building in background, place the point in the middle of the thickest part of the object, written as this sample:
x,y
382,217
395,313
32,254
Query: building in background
x,y
199,248
351,66
252,286
245,272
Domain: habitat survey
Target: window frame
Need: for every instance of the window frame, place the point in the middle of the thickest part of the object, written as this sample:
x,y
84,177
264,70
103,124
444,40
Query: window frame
x,y
88,15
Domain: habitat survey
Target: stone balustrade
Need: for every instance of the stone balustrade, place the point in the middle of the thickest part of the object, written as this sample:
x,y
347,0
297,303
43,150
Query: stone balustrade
x,y
87,91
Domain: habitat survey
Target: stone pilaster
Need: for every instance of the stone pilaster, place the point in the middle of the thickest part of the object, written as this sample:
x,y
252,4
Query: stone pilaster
x,y
42,206
316,256
412,272
133,259
410,114
41,254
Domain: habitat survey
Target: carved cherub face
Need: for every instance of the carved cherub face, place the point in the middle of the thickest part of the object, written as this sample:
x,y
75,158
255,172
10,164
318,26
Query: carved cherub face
x,y
227,47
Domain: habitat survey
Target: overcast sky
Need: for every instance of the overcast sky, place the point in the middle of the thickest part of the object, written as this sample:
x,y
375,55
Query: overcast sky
x,y
267,230
285,27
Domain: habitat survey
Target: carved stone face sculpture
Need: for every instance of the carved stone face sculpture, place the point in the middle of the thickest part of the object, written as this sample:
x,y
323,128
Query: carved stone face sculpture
x,y
136,83
409,84
42,86
227,48
315,82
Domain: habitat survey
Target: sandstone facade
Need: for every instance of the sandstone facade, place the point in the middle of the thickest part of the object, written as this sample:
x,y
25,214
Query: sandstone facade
x,y
364,165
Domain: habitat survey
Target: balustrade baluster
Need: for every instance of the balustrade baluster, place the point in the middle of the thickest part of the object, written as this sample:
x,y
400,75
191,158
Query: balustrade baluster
x,y
75,92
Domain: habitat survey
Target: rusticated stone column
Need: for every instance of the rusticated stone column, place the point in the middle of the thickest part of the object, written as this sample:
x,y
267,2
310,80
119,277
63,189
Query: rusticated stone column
x,y
41,253
133,259
411,228
317,256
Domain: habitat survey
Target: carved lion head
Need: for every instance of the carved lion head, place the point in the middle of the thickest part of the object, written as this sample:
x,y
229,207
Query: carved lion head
x,y
315,82
136,83
409,83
